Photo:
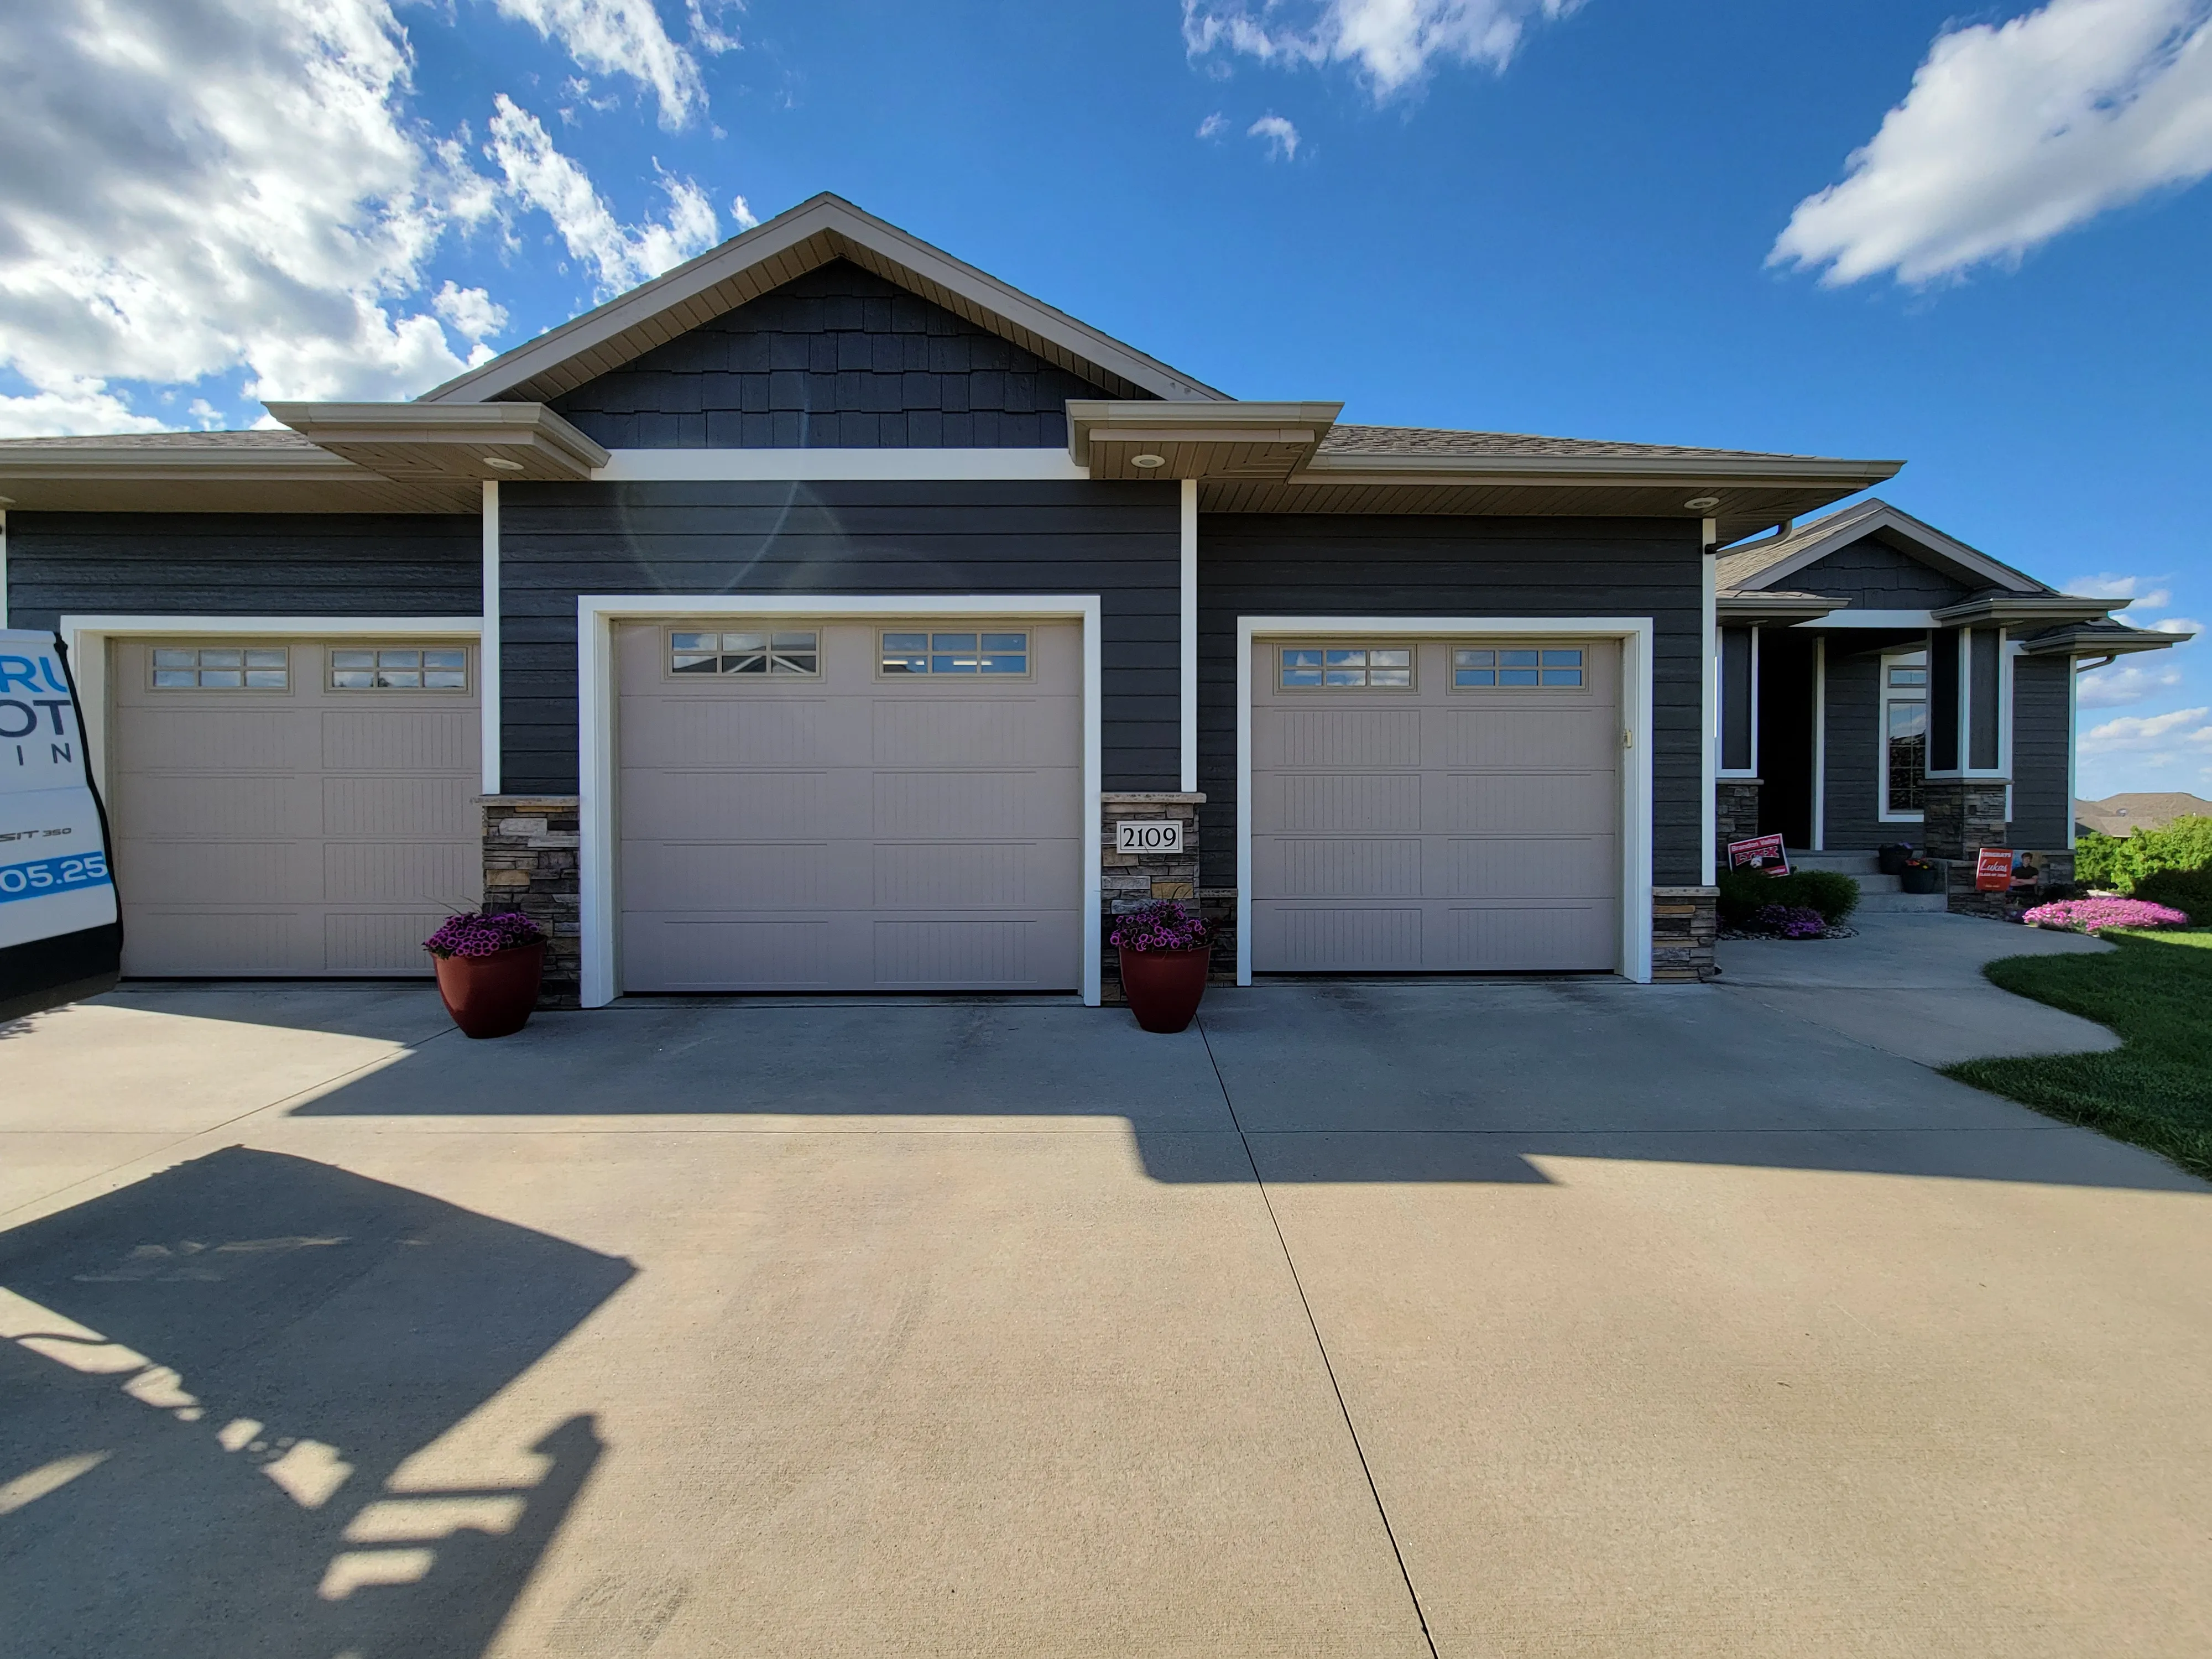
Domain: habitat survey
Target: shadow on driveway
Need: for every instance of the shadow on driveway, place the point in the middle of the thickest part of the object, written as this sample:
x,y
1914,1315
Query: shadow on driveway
x,y
214,1374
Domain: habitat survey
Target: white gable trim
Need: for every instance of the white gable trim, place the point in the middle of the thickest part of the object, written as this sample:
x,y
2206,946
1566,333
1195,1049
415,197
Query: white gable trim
x,y
1859,522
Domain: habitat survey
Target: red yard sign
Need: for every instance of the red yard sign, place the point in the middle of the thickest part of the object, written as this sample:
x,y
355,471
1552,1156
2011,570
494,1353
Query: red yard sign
x,y
1993,869
1761,852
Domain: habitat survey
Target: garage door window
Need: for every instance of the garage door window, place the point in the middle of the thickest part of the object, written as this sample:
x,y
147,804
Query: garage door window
x,y
395,668
779,653
1346,668
956,652
221,668
1485,667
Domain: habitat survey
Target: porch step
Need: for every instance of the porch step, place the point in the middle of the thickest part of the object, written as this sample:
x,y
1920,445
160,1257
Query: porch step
x,y
1889,904
1860,864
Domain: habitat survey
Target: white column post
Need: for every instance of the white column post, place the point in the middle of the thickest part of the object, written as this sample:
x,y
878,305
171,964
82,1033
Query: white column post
x,y
1709,563
1188,661
488,652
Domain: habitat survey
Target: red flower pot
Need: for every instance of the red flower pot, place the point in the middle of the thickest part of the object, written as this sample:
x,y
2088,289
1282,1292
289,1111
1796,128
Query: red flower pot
x,y
491,996
1163,987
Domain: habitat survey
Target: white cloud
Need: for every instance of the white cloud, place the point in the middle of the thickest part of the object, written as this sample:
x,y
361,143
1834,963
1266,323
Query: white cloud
x,y
1393,42
741,210
1278,134
2014,132
620,256
2125,682
85,406
1213,126
469,310
626,37
2146,733
2177,625
2106,584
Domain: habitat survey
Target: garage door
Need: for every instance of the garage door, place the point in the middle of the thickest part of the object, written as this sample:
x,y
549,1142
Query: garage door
x,y
1435,806
292,807
850,806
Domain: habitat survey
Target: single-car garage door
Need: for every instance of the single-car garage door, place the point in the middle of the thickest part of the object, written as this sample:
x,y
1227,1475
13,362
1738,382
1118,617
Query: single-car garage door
x,y
854,806
292,807
1439,806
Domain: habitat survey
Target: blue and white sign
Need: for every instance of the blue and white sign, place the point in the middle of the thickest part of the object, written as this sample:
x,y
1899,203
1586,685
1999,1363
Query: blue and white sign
x,y
55,886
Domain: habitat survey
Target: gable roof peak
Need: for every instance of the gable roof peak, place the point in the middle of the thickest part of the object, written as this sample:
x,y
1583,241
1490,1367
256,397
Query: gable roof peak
x,y
1772,560
823,227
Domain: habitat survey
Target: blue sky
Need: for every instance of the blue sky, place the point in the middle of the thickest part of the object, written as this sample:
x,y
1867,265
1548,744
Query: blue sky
x,y
1510,214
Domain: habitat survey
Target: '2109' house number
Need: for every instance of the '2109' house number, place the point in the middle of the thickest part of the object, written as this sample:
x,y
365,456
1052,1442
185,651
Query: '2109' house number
x,y
1133,835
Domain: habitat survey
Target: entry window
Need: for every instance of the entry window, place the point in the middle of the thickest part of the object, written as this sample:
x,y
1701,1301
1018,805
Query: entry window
x,y
398,668
1480,668
1343,668
1904,734
775,652
222,667
956,652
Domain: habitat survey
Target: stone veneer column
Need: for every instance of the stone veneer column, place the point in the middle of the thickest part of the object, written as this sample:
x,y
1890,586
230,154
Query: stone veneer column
x,y
1685,922
1735,813
530,847
1129,879
1959,817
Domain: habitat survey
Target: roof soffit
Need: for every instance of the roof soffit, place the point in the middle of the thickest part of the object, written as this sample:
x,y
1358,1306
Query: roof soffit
x,y
783,248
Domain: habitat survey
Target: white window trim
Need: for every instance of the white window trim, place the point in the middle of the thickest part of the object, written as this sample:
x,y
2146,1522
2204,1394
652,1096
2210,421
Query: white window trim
x,y
1635,634
596,700
2002,772
86,638
1881,702
1721,713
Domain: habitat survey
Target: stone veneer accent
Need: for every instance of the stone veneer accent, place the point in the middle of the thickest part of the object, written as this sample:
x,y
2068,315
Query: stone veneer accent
x,y
1735,813
1685,922
1129,879
1959,817
530,844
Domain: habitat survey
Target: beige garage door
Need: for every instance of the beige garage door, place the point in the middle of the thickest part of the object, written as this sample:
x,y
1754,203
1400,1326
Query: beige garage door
x,y
1436,805
292,807
850,806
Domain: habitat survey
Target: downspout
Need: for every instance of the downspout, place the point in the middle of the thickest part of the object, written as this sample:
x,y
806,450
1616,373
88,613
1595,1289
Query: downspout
x,y
488,650
1707,725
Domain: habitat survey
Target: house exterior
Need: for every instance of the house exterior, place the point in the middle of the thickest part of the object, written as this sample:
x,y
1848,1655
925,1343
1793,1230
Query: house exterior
x,y
810,618
1880,681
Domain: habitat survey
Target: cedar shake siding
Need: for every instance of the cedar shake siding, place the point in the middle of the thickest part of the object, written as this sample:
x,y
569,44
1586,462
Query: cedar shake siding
x,y
308,564
1356,565
1120,541
838,359
1875,576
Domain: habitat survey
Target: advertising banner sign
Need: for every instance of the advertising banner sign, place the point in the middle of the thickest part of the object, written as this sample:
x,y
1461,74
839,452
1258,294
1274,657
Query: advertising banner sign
x,y
1993,869
1761,852
61,936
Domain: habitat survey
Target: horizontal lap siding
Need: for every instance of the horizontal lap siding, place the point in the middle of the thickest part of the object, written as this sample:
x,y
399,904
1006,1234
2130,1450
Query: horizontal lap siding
x,y
1120,541
838,359
242,564
2040,742
1353,565
1854,754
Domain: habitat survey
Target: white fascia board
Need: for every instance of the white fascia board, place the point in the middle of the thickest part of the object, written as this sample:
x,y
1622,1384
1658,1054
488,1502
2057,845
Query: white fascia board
x,y
832,465
1855,523
1636,702
599,907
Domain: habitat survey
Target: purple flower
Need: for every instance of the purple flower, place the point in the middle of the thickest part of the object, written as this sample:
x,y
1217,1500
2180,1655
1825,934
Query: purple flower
x,y
2094,915
480,933
1158,925
1790,921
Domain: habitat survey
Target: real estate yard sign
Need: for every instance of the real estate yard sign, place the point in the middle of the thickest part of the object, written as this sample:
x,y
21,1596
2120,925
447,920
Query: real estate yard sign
x,y
1761,852
61,936
1993,869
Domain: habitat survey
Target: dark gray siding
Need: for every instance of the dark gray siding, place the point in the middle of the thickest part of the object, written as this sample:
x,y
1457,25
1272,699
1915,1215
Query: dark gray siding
x,y
1120,541
836,359
1329,565
1853,756
243,563
1875,576
2040,741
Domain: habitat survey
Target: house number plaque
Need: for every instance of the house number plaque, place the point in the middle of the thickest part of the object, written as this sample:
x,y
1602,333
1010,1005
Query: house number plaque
x,y
1133,835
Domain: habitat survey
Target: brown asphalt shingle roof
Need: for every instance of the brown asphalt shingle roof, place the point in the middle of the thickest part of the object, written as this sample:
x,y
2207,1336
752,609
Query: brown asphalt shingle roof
x,y
1343,439
259,438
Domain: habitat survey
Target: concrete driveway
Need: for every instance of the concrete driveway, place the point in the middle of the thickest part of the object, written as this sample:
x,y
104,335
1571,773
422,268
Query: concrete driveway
x,y
1373,1318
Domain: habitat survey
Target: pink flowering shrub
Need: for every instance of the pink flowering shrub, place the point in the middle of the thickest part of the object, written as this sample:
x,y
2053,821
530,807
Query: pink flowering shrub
x,y
2094,915
1158,925
1790,922
477,933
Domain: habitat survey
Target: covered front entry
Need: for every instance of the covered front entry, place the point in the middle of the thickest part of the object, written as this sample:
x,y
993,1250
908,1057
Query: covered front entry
x,y
850,806
292,807
1438,804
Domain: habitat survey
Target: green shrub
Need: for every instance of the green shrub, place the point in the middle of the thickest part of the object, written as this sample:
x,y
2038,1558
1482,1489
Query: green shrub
x,y
2102,860
2188,891
2122,862
1744,893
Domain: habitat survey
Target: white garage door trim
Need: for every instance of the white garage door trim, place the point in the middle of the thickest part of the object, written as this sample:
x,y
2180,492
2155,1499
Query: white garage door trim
x,y
86,639
1634,634
596,616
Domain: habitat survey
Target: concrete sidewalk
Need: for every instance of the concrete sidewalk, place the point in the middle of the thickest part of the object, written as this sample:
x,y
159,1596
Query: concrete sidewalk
x,y
1382,1317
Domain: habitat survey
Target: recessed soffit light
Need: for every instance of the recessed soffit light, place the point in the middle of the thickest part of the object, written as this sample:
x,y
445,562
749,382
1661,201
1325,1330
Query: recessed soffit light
x,y
502,463
1701,503
1148,462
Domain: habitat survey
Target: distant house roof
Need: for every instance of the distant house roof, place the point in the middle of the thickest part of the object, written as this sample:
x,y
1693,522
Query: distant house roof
x,y
2122,815
1768,562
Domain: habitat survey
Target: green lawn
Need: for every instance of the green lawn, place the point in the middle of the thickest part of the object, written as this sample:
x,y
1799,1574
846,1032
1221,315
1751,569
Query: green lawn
x,y
2156,992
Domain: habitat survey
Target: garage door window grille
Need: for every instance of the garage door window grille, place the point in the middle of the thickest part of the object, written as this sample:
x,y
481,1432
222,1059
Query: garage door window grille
x,y
956,653
222,668
1344,668
398,668
780,653
1483,668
